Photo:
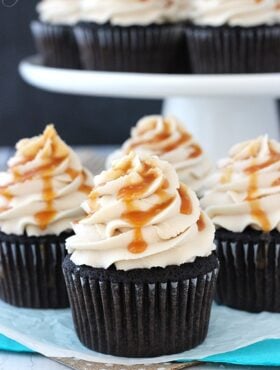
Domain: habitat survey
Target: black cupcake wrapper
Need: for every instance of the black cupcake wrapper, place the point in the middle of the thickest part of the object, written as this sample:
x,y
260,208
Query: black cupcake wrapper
x,y
135,319
228,49
151,49
249,277
56,45
30,271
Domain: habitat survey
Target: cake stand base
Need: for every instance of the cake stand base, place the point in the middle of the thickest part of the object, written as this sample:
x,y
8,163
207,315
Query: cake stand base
x,y
218,123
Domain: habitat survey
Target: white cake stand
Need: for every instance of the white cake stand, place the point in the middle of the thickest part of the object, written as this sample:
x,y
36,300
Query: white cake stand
x,y
219,110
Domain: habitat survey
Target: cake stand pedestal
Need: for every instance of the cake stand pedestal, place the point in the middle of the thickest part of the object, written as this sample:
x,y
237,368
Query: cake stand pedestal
x,y
220,122
219,110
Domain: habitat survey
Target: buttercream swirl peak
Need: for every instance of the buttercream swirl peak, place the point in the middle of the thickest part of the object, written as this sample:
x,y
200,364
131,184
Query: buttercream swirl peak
x,y
140,216
245,190
167,138
43,187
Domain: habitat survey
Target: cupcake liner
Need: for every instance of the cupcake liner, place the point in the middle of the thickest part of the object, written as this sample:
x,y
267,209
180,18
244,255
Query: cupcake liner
x,y
56,44
228,49
153,49
249,277
141,313
30,271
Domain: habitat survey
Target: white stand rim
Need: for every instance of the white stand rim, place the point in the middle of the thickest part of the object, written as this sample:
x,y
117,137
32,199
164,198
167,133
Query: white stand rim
x,y
149,86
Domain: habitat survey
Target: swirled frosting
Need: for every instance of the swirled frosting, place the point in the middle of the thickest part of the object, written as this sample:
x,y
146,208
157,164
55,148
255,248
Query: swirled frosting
x,y
140,216
244,13
134,12
43,188
245,190
166,138
59,11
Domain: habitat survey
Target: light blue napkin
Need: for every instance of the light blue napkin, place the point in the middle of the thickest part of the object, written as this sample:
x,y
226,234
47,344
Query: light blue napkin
x,y
266,353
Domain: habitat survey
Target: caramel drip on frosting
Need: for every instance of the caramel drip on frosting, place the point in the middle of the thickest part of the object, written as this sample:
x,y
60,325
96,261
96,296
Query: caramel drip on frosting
x,y
201,225
138,218
256,210
196,151
44,218
164,134
186,204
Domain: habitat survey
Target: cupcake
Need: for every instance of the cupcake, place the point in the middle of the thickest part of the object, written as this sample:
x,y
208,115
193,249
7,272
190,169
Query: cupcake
x,y
167,138
54,35
40,195
234,36
243,202
132,35
142,271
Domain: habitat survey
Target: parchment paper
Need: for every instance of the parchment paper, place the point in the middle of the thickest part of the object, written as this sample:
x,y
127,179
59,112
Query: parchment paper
x,y
51,333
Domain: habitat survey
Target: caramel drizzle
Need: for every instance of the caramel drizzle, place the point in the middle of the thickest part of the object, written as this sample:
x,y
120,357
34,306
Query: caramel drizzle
x,y
46,216
196,151
137,218
164,135
256,210
201,225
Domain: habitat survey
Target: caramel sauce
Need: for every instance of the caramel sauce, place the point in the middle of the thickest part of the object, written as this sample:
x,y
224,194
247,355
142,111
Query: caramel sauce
x,y
256,210
72,173
83,187
138,219
132,191
186,204
201,223
276,182
6,194
154,140
43,170
226,175
43,218
196,151
184,138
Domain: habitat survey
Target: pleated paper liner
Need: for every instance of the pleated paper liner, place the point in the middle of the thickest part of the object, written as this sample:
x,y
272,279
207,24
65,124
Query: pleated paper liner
x,y
249,277
30,271
151,49
142,313
228,49
56,44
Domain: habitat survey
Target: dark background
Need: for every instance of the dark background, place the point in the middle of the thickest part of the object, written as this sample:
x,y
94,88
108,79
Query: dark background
x,y
24,110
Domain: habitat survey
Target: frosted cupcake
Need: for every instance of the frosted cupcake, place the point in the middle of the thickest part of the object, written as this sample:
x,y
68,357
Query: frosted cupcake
x,y
243,202
167,138
234,36
40,195
54,35
132,35
144,257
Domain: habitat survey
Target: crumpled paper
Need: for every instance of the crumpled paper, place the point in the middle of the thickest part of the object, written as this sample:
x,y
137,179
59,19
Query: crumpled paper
x,y
51,333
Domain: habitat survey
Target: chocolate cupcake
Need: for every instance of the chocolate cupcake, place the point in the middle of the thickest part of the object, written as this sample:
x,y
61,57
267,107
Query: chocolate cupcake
x,y
54,35
142,272
167,138
39,196
241,36
132,36
243,202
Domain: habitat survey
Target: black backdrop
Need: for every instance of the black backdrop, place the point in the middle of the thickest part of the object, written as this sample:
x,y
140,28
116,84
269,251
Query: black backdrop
x,y
24,110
